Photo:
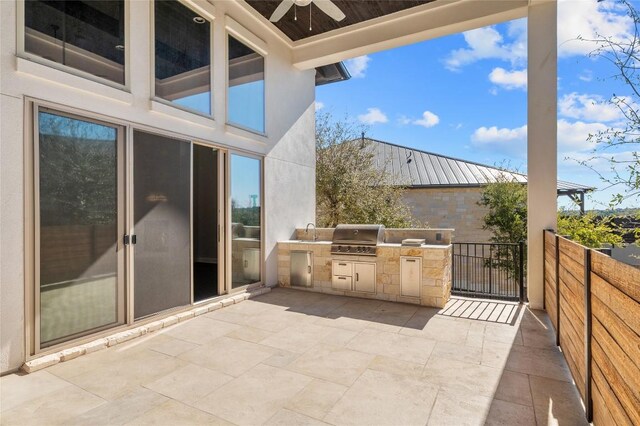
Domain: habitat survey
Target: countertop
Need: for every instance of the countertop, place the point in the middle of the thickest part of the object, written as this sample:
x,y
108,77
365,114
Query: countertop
x,y
392,245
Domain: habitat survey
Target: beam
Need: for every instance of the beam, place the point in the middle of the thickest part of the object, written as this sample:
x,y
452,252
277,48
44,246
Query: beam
x,y
432,20
542,167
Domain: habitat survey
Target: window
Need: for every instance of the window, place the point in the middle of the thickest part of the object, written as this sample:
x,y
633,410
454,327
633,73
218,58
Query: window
x,y
183,56
246,87
85,35
245,220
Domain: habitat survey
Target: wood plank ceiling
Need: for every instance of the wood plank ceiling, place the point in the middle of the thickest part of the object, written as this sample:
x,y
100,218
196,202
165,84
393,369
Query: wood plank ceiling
x,y
355,10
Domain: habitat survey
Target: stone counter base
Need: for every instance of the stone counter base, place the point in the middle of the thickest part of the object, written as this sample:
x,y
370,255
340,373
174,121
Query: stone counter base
x,y
435,289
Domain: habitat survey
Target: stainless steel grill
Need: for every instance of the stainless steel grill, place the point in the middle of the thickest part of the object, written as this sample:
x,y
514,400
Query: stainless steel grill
x,y
357,239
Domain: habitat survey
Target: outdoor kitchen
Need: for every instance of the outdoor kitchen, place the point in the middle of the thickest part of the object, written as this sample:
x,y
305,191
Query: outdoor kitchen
x,y
369,261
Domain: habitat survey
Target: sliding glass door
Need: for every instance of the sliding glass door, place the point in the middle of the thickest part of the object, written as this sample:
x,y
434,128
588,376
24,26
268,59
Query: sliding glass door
x,y
162,226
189,230
246,218
79,219
208,220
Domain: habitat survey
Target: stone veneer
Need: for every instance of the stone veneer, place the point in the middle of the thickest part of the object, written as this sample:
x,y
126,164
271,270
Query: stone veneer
x,y
436,270
450,208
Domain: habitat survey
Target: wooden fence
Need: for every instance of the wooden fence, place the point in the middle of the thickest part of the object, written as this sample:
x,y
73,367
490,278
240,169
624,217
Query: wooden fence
x,y
594,305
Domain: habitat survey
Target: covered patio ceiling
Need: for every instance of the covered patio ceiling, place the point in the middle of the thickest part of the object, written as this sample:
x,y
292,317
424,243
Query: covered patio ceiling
x,y
374,25
356,11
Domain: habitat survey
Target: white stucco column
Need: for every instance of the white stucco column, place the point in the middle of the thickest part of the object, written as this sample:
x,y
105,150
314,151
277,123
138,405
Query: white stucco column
x,y
542,167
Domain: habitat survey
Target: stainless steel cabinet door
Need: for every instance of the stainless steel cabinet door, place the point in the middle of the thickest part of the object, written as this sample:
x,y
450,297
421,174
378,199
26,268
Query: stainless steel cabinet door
x,y
365,277
410,276
301,269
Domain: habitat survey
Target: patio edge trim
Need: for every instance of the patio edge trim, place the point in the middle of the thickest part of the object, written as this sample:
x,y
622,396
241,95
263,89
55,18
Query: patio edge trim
x,y
124,336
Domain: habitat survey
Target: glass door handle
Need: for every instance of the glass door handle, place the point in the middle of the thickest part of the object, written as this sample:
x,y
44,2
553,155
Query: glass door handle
x,y
130,239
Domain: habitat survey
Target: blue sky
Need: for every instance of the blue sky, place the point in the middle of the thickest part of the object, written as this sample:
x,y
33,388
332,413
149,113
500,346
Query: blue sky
x,y
465,95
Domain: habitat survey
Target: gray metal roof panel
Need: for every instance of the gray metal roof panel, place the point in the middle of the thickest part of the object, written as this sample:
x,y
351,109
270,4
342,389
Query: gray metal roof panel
x,y
429,169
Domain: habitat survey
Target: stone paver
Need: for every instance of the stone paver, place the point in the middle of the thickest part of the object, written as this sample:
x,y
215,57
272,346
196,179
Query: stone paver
x,y
292,358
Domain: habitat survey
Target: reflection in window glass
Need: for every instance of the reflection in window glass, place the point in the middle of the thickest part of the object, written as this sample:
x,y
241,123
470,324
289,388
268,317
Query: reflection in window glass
x,y
245,220
86,35
246,87
78,190
183,73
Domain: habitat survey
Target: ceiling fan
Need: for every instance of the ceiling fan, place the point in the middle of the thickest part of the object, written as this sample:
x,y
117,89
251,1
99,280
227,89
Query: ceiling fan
x,y
327,6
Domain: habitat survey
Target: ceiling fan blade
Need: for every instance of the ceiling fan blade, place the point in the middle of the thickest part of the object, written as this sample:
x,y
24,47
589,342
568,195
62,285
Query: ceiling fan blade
x,y
281,10
328,7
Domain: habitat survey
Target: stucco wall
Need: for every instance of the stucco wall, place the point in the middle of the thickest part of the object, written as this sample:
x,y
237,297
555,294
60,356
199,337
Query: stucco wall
x,y
455,208
287,146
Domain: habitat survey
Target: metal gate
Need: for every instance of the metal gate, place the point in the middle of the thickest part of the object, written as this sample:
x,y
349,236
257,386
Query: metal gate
x,y
489,270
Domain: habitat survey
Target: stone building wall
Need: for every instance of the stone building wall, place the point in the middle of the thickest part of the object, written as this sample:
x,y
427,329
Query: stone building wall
x,y
455,208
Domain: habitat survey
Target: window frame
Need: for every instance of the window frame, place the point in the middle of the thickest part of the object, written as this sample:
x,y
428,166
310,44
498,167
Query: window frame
x,y
228,261
34,321
23,54
244,36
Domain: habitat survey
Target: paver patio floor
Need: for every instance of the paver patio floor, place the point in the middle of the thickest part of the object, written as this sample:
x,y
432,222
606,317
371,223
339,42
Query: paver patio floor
x,y
295,358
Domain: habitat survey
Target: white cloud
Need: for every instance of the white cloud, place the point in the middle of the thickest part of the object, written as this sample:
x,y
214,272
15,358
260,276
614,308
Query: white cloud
x,y
428,119
572,137
507,141
577,18
319,105
488,43
403,120
588,107
358,66
586,75
509,79
588,19
373,116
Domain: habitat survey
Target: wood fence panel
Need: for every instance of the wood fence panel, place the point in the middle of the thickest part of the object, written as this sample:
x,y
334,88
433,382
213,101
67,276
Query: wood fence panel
x,y
610,361
616,346
624,277
550,277
571,284
605,404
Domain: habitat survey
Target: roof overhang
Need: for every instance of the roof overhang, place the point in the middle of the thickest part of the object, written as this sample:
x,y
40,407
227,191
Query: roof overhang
x,y
428,21
332,73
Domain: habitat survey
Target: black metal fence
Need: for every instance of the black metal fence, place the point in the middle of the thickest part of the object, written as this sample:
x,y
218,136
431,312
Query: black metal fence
x,y
489,270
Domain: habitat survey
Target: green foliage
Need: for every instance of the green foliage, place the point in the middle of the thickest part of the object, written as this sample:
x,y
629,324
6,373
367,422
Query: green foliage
x,y
349,186
507,220
588,230
507,216
248,216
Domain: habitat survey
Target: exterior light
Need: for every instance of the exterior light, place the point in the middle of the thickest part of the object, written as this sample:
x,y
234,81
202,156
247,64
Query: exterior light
x,y
199,20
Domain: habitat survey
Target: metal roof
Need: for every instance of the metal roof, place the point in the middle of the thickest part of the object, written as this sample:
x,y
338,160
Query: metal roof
x,y
332,73
422,169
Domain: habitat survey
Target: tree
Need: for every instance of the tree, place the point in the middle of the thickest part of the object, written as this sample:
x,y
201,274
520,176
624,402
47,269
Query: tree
x,y
507,218
618,145
588,230
506,200
349,186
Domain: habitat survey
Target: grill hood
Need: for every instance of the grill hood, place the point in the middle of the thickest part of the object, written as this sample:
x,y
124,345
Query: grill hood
x,y
358,234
